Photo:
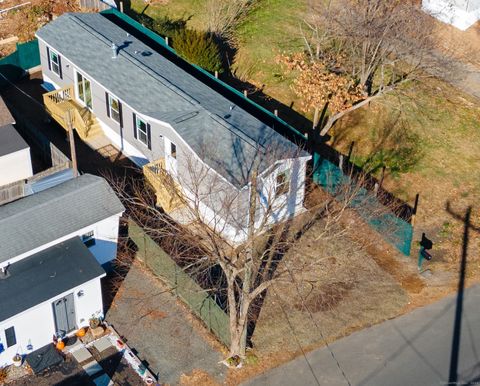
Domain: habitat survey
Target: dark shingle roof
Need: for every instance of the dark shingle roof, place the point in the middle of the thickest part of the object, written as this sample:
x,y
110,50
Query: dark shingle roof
x,y
10,140
55,212
215,128
46,274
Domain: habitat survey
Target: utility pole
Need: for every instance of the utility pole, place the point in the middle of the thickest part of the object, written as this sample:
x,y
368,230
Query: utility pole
x,y
71,140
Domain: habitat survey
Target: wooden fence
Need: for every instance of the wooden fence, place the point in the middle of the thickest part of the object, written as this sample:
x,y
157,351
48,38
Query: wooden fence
x,y
12,191
184,287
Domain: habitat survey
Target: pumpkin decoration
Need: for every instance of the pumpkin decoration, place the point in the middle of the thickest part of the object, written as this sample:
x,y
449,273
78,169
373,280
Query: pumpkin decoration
x,y
60,345
80,332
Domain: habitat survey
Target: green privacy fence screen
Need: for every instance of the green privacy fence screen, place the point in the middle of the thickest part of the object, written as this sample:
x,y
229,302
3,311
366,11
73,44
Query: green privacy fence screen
x,y
395,230
163,266
13,66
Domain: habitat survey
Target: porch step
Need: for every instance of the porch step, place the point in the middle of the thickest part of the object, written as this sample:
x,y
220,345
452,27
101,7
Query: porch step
x,y
94,130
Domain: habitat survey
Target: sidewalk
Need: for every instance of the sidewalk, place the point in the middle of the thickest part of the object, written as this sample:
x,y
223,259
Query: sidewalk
x,y
415,349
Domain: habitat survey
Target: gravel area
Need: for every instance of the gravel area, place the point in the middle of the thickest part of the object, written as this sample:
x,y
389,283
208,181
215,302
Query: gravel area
x,y
155,325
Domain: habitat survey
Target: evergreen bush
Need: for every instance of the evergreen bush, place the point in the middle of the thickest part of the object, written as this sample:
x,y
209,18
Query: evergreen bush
x,y
198,48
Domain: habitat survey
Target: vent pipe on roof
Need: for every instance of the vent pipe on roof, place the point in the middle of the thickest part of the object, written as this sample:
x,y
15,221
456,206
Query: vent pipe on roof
x,y
114,51
4,272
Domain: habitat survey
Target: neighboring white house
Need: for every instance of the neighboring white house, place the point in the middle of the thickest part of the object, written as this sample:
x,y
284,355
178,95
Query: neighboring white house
x,y
55,291
52,248
164,114
85,206
459,13
15,160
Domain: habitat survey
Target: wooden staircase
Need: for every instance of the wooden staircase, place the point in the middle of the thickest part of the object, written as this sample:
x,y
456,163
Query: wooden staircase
x,y
167,191
62,107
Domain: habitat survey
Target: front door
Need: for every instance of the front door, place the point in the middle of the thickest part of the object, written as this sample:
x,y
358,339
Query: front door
x,y
64,314
171,157
84,90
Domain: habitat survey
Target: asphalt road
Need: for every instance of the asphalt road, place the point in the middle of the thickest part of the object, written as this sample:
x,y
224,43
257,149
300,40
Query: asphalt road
x,y
415,349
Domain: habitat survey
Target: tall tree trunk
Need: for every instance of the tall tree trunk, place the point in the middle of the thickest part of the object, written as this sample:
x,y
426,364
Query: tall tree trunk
x,y
239,313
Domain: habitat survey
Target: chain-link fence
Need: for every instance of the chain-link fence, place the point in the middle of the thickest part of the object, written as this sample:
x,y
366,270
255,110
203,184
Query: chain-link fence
x,y
183,285
393,229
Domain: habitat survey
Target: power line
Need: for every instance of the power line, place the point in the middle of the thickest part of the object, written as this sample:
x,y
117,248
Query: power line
x,y
23,92
320,331
296,339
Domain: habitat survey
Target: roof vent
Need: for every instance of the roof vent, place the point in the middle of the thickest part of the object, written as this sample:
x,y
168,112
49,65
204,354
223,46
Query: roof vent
x,y
4,273
114,51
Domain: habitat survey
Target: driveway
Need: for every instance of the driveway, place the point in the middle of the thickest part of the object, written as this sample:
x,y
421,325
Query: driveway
x,y
146,313
415,349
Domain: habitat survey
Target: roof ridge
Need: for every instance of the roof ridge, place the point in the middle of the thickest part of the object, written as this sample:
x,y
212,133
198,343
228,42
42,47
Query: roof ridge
x,y
143,66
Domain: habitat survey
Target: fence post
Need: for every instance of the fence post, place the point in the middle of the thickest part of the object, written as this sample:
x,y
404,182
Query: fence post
x,y
415,207
350,150
176,280
382,177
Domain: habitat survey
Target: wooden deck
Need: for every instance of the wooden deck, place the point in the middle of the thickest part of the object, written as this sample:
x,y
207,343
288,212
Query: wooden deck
x,y
62,107
162,183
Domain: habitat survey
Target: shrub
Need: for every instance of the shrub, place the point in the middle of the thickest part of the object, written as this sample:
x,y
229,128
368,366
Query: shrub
x,y
3,375
198,48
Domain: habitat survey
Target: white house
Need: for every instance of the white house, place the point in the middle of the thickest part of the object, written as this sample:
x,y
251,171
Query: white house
x,y
53,291
85,206
53,245
15,160
164,113
462,14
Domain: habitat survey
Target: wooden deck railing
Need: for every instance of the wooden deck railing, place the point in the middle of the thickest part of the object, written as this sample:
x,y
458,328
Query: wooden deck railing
x,y
163,184
61,105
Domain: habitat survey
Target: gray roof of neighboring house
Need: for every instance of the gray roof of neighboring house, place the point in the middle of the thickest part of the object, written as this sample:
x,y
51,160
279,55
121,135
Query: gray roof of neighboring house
x,y
10,140
56,212
6,117
226,137
46,274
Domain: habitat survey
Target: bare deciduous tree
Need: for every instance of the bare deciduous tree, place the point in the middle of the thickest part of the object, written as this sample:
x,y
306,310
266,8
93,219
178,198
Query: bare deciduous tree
x,y
380,44
206,209
225,15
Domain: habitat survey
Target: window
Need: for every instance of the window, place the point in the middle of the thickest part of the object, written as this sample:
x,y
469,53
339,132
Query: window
x,y
113,108
89,239
10,337
54,61
282,183
84,90
142,132
173,150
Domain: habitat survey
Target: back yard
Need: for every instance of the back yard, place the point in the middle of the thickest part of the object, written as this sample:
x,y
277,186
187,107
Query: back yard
x,y
431,134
